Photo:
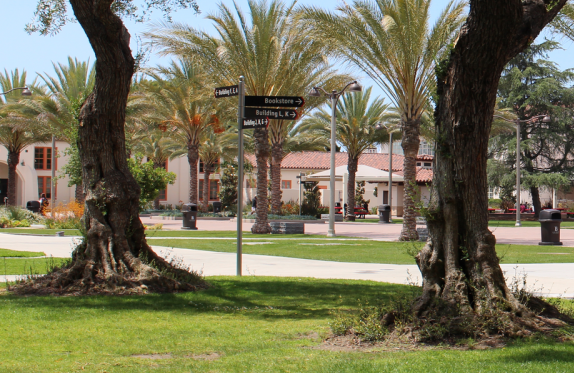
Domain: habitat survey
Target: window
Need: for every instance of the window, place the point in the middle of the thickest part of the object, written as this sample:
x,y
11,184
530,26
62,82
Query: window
x,y
426,148
285,184
213,190
215,166
43,158
45,186
428,164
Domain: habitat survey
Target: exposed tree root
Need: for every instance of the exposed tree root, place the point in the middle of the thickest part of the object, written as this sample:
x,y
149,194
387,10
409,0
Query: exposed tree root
x,y
85,277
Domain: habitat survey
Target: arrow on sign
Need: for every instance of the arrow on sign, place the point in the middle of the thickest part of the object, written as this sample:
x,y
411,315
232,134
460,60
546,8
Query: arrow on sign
x,y
275,101
232,90
250,123
271,113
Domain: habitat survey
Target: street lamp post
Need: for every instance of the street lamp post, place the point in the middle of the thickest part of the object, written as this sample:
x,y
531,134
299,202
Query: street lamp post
x,y
334,96
380,126
545,118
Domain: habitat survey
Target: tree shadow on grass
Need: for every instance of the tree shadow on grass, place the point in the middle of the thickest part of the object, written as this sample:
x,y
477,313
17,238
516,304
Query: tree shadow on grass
x,y
258,297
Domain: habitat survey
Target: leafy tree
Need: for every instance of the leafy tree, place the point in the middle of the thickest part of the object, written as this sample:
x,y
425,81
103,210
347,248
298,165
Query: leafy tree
x,y
19,126
150,178
531,86
114,255
359,192
356,131
460,268
268,48
392,42
312,198
228,191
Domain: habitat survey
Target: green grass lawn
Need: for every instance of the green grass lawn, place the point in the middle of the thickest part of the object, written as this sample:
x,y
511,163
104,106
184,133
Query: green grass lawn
x,y
511,223
249,324
365,251
26,262
51,232
5,253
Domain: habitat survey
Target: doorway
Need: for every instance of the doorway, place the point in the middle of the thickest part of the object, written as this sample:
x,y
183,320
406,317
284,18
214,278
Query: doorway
x,y
3,190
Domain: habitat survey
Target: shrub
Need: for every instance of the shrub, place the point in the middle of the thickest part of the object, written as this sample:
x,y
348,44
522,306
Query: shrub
x,y
13,213
66,216
290,208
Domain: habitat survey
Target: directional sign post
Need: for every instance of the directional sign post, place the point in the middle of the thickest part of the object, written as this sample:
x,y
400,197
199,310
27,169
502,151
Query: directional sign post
x,y
232,90
275,101
250,123
285,114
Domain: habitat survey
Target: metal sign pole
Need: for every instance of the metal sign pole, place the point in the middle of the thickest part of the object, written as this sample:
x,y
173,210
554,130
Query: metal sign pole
x,y
240,115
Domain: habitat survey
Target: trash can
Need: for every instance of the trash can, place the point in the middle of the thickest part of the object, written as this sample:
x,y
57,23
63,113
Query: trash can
x,y
550,227
189,211
33,206
216,206
384,213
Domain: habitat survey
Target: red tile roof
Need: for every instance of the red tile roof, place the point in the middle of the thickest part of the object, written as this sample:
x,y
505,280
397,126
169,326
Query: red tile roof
x,y
322,161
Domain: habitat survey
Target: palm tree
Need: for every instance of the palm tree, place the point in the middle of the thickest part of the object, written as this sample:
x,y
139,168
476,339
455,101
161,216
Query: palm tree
x,y
19,127
356,132
214,146
273,54
60,106
182,105
391,41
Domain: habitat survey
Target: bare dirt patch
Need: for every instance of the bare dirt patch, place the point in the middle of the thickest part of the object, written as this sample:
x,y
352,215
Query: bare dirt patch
x,y
308,335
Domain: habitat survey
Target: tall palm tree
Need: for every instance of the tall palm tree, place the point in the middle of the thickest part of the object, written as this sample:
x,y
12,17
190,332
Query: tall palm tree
x,y
180,103
357,119
60,106
19,127
391,41
273,54
214,146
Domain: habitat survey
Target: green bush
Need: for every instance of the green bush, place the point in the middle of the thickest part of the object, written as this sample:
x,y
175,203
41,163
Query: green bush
x,y
282,217
67,223
14,213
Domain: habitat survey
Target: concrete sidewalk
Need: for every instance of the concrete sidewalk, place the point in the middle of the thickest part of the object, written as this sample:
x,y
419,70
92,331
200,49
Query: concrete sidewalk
x,y
544,279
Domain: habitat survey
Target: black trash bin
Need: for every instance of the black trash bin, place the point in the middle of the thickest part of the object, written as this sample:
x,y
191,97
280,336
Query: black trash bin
x,y
550,227
189,211
384,213
33,206
216,206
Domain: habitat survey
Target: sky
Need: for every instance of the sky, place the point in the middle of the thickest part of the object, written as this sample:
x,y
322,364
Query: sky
x,y
35,53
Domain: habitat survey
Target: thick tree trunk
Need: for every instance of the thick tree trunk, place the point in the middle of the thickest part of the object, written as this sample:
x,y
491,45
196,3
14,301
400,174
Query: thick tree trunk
x,y
13,160
114,256
276,159
352,164
410,143
535,193
459,264
206,173
262,156
192,159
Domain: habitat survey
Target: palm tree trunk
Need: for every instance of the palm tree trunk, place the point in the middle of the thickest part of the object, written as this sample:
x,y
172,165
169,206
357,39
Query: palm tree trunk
x,y
276,193
410,144
206,173
535,193
13,160
192,159
262,156
79,194
352,164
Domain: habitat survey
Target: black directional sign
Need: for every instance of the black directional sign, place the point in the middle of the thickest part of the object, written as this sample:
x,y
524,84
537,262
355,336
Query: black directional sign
x,y
250,123
274,101
232,90
271,113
